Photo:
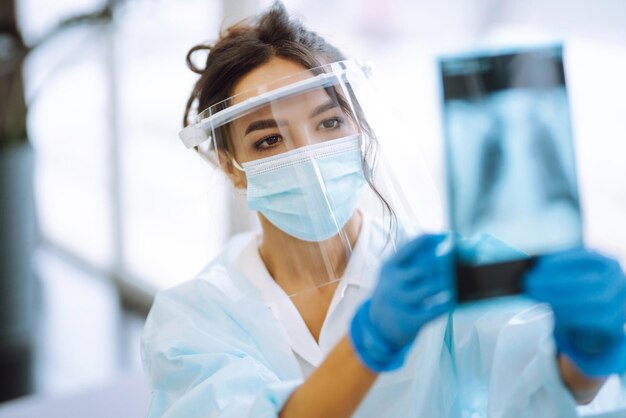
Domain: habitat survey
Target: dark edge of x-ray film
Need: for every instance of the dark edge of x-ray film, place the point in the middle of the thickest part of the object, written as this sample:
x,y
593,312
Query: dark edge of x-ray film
x,y
477,76
491,280
475,79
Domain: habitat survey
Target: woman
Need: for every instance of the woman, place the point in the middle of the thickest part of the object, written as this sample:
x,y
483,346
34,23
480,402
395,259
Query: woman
x,y
303,319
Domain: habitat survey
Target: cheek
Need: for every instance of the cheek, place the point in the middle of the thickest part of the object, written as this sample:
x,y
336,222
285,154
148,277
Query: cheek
x,y
238,151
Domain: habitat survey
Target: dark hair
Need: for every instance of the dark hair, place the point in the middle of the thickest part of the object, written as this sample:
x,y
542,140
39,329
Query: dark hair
x,y
249,44
253,42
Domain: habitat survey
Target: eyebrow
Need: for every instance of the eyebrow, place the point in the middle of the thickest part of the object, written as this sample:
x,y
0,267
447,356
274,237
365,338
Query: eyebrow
x,y
323,108
261,124
258,125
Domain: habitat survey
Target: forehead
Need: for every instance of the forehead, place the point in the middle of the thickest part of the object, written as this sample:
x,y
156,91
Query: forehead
x,y
291,109
275,69
297,106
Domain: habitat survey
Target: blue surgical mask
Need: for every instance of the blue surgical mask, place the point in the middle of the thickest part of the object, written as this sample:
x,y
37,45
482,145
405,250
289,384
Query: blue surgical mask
x,y
309,192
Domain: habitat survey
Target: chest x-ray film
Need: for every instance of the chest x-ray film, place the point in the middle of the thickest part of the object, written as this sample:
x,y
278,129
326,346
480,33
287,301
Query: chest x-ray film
x,y
511,178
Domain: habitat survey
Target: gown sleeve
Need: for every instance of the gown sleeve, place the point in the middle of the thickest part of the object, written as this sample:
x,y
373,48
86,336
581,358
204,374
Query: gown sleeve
x,y
523,379
506,360
201,362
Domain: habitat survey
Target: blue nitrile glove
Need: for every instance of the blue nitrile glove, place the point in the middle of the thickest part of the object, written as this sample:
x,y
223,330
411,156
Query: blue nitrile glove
x,y
414,287
587,293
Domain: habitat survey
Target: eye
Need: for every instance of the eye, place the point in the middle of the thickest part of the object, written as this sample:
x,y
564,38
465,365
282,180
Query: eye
x,y
331,123
267,142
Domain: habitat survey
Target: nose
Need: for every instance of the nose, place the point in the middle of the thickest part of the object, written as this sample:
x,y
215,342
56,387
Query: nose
x,y
299,136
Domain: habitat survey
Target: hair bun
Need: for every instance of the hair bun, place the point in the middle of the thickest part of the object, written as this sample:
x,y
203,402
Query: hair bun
x,y
190,57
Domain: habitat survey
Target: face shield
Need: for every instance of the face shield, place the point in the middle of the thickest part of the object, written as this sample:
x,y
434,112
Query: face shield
x,y
308,149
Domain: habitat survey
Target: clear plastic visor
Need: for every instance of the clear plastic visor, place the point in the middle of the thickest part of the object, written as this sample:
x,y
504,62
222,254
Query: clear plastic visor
x,y
307,150
305,108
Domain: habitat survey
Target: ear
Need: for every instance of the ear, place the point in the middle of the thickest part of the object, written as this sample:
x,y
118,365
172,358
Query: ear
x,y
236,176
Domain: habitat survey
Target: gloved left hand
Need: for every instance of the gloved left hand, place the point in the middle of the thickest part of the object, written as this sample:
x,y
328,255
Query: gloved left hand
x,y
414,288
587,293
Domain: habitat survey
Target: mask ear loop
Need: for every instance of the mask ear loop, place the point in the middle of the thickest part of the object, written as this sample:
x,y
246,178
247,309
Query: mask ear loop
x,y
234,162
236,191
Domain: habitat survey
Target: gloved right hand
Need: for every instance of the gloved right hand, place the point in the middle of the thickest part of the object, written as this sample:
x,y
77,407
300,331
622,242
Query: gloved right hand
x,y
414,287
587,293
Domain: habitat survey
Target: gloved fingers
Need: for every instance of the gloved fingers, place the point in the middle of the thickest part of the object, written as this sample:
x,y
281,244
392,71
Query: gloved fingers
x,y
413,290
593,360
580,296
399,322
436,262
587,293
583,302
408,276
563,264
424,246
442,299
400,326
437,272
397,329
434,307
588,342
407,280
593,302
605,320
591,314
425,297
425,310
414,286
575,273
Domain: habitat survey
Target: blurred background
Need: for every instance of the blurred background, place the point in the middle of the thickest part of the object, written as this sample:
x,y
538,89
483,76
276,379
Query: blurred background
x,y
102,206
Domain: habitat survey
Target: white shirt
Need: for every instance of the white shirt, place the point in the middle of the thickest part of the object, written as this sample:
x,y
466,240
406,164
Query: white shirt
x,y
231,344
355,285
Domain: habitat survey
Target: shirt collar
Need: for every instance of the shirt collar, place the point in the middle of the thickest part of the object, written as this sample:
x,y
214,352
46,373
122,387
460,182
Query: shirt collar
x,y
356,273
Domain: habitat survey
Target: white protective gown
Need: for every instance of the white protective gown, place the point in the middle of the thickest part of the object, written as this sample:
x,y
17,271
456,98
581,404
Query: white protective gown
x,y
224,345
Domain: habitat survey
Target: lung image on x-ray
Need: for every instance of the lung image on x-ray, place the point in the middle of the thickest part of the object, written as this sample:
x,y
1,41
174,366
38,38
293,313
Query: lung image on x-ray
x,y
510,157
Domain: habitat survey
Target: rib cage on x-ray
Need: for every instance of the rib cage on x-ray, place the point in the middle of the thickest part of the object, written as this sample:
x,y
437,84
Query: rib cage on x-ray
x,y
553,181
558,186
509,149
